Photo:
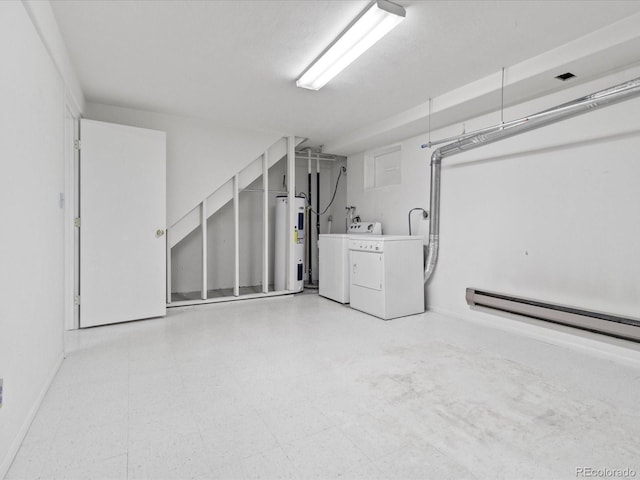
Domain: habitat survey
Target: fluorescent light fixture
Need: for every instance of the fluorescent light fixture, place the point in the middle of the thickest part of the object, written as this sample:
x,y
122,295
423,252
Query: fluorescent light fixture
x,y
370,26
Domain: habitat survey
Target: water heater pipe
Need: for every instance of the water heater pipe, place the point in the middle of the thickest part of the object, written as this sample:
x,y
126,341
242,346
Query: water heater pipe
x,y
308,239
317,235
609,96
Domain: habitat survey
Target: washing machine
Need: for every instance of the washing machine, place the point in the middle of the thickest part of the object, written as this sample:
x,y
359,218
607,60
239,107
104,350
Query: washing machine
x,y
386,275
333,260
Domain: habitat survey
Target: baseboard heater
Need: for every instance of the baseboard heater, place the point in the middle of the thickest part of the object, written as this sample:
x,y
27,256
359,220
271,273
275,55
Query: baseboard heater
x,y
613,325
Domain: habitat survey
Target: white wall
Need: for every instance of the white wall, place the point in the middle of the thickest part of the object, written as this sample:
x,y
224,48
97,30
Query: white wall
x,y
553,214
390,205
32,95
44,22
337,210
201,155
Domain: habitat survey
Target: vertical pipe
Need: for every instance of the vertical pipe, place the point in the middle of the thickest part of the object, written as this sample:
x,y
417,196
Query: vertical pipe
x,y
308,234
168,240
203,229
265,222
291,219
434,216
236,234
317,236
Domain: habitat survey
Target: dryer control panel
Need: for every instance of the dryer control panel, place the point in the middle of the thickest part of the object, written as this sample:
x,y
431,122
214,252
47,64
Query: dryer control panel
x,y
364,245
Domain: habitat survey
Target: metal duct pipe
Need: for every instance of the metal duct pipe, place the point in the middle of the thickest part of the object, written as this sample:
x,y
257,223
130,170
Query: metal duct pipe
x,y
322,156
609,96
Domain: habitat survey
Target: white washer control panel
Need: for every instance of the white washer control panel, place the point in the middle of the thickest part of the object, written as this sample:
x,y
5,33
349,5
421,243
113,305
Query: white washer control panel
x,y
364,245
371,228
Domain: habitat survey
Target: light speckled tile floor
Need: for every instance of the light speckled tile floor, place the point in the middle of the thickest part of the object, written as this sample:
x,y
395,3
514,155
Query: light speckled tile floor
x,y
301,387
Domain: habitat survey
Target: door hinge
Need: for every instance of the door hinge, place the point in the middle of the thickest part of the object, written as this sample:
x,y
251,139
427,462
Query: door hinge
x,y
76,222
76,300
77,145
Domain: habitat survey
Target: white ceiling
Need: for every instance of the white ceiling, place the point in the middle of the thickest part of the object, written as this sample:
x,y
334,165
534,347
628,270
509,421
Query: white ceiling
x,y
235,62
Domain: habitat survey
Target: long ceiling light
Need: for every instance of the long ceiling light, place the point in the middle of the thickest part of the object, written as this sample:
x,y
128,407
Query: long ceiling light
x,y
370,26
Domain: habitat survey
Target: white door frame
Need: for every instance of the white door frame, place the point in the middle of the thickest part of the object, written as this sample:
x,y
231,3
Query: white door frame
x,y
70,201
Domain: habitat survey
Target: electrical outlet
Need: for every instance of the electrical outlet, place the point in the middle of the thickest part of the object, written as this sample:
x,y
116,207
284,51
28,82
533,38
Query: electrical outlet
x,y
1,392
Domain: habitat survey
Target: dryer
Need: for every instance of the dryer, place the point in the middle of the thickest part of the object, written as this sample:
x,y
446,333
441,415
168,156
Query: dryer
x,y
333,260
386,275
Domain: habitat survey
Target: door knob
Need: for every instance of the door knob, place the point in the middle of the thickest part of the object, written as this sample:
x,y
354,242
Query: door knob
x,y
159,232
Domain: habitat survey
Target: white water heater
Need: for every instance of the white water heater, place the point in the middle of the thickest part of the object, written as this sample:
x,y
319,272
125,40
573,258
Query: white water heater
x,y
296,233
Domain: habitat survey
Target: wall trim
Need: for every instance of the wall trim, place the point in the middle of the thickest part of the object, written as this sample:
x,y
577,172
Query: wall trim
x,y
71,209
22,433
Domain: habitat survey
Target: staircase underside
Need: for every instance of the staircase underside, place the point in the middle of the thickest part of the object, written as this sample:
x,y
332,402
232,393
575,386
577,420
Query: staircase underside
x,y
224,194
229,192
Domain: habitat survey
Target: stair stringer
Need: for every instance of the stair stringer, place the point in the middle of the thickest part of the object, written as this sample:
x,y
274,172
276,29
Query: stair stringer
x,y
224,194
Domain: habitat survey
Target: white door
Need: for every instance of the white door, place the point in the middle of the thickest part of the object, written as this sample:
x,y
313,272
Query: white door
x,y
123,216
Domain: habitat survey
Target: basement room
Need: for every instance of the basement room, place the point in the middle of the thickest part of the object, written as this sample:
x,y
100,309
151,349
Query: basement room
x,y
320,239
